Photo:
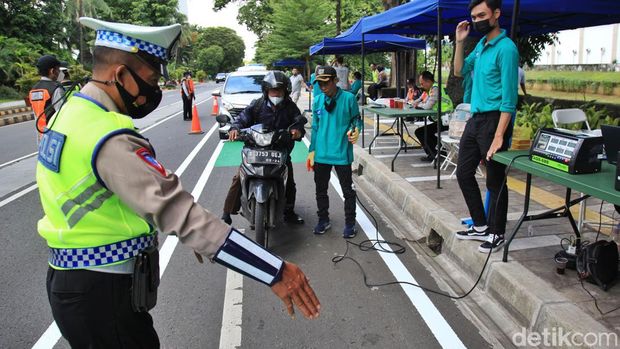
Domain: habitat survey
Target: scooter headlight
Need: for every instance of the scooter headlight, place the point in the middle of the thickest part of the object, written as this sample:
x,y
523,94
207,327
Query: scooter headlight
x,y
263,139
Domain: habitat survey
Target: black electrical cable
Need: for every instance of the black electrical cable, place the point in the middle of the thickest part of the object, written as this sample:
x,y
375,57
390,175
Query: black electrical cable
x,y
596,302
63,99
368,245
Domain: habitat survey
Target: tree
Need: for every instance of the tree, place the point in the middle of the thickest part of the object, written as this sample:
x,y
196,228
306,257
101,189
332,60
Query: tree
x,y
210,59
37,22
213,38
291,35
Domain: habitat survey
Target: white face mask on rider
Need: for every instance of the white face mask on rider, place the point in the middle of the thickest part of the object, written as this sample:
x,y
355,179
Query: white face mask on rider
x,y
276,100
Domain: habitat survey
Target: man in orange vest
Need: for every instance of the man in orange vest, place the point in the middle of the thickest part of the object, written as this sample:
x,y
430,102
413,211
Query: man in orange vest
x,y
46,95
187,94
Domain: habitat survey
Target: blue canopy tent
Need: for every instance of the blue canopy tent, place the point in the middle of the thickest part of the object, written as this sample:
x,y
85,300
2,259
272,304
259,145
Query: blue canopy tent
x,y
351,42
289,62
527,17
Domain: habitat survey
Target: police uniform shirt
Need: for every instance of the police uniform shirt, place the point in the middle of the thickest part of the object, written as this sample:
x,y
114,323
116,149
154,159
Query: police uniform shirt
x,y
158,197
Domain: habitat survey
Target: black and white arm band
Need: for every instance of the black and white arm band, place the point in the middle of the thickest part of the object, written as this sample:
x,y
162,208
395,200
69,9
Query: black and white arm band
x,y
245,256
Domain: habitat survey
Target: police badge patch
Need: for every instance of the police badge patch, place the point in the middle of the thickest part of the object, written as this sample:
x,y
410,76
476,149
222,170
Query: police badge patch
x,y
50,149
148,158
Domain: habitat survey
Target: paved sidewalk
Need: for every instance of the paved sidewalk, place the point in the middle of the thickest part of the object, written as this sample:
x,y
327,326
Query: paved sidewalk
x,y
528,289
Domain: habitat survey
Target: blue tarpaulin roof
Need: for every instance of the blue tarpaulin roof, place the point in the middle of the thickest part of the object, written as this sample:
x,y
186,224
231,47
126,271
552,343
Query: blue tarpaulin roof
x,y
535,16
289,62
350,42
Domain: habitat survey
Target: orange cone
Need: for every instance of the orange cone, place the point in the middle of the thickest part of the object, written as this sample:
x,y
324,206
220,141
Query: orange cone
x,y
216,107
195,123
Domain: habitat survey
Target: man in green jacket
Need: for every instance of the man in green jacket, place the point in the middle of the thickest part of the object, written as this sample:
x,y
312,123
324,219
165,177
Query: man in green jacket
x,y
335,128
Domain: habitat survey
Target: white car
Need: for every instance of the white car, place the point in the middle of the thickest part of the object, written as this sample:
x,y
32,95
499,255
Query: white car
x,y
239,90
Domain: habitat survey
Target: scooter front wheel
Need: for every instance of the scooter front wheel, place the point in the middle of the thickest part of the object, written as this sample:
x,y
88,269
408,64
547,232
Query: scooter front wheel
x,y
259,223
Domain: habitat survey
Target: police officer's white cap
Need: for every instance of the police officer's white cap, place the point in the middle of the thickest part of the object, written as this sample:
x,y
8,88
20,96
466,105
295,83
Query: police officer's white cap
x,y
155,41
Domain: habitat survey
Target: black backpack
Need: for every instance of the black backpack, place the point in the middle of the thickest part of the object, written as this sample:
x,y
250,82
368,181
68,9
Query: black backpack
x,y
598,263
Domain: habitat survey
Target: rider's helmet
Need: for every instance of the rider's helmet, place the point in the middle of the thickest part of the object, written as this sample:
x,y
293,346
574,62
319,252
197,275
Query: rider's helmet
x,y
276,79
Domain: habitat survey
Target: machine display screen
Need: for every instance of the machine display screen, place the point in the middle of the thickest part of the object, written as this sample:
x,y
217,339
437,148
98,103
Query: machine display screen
x,y
556,145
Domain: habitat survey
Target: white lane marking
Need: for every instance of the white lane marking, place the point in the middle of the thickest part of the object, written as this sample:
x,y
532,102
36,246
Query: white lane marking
x,y
18,159
51,336
165,253
440,328
18,195
230,335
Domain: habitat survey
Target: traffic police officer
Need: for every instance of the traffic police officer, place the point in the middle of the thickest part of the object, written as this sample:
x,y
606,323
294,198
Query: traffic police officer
x,y
104,194
187,95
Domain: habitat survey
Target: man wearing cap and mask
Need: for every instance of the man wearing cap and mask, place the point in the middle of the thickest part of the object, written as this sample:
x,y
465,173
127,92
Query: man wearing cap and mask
x,y
104,194
187,95
335,128
46,95
277,110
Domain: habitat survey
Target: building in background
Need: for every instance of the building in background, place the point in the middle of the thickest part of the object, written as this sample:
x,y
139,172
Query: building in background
x,y
592,45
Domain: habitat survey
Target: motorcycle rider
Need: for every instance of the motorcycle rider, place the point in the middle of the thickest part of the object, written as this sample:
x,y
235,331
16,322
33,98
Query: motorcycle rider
x,y
276,110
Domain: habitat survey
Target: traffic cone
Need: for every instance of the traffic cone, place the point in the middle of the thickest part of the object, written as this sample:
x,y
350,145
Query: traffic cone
x,y
195,123
216,107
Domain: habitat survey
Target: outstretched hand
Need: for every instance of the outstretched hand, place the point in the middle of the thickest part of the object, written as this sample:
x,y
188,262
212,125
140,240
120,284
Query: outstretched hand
x,y
295,291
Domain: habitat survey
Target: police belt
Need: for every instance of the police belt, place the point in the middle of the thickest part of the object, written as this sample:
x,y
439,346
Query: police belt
x,y
77,258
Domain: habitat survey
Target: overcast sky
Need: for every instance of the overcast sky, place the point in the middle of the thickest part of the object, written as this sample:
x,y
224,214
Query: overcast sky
x,y
201,13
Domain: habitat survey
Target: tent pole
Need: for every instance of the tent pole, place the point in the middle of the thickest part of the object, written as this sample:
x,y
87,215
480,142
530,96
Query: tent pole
x,y
397,74
515,19
439,39
363,97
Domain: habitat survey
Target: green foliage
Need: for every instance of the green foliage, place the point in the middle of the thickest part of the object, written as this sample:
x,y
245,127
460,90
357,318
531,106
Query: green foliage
x,y
534,116
201,75
296,25
16,58
27,80
7,93
597,117
217,49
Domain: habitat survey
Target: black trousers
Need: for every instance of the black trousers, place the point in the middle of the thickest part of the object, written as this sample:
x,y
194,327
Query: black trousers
x,y
373,90
232,204
475,143
187,107
430,147
93,310
322,172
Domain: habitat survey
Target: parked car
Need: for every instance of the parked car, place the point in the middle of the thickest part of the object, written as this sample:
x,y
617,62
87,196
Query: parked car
x,y
239,90
220,77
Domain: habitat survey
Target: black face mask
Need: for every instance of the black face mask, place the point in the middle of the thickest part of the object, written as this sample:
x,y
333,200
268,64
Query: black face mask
x,y
151,93
483,27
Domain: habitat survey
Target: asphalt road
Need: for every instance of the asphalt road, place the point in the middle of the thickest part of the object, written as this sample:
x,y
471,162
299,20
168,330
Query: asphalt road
x,y
204,305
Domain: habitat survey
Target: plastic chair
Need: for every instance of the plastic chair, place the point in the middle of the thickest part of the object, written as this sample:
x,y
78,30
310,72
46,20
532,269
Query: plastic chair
x,y
569,116
566,117
450,141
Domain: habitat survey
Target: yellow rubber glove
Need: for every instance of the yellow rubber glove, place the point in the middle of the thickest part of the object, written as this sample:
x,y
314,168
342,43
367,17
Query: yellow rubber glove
x,y
353,135
310,161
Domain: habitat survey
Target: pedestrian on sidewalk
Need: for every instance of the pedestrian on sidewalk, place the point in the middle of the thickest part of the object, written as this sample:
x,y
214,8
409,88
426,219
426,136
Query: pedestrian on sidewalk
x,y
46,95
494,62
342,72
187,95
335,128
297,81
109,197
429,85
276,110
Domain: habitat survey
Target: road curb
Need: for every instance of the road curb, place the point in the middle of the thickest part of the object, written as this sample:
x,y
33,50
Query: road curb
x,y
14,119
529,300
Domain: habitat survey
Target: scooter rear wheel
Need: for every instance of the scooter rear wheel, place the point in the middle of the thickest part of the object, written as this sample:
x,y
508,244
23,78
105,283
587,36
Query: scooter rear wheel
x,y
259,223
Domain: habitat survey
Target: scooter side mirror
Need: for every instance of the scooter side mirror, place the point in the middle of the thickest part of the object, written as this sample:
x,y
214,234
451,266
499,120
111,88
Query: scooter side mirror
x,y
222,118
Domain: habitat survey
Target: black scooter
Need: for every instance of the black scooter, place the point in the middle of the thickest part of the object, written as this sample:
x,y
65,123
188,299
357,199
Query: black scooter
x,y
263,176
